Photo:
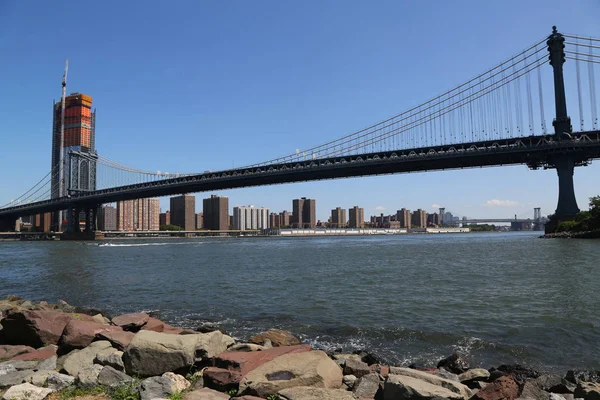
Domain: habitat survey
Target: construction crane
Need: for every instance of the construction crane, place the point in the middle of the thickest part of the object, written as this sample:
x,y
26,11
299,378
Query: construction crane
x,y
61,179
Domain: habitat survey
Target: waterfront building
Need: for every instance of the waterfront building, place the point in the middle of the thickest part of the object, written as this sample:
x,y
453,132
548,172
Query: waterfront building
x,y
138,215
250,217
107,218
183,212
305,213
43,222
357,217
404,217
433,219
216,213
419,219
164,218
78,138
199,221
285,218
338,218
274,220
442,216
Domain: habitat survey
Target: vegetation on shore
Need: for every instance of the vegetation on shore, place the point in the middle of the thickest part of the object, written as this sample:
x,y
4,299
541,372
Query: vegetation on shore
x,y
480,228
584,221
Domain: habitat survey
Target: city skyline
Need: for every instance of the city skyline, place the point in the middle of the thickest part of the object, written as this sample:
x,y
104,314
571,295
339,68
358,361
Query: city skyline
x,y
357,95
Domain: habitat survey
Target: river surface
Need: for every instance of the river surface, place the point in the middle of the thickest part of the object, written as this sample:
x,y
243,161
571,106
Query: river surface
x,y
496,297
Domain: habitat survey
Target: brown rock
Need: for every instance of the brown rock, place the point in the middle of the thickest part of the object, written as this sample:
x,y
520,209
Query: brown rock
x,y
119,339
588,391
79,334
503,388
277,338
205,394
154,324
7,351
244,362
221,379
36,328
131,322
37,355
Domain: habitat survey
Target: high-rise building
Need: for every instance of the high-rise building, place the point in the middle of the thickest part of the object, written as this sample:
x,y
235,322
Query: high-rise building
x,y
107,218
284,219
305,213
274,220
43,222
357,217
199,221
404,217
338,218
216,213
419,219
183,212
442,216
250,217
433,219
164,218
138,215
79,148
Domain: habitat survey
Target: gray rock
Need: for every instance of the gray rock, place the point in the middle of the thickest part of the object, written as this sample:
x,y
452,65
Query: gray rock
x,y
476,385
26,391
79,360
178,382
59,381
532,391
406,387
39,378
6,368
65,307
367,386
14,378
21,365
453,386
447,375
87,378
205,394
555,384
112,378
157,387
313,393
48,364
153,353
112,358
349,381
356,368
475,374
555,396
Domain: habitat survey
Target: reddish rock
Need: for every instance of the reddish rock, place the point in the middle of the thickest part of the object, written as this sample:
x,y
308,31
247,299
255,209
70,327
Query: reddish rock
x,y
36,328
277,338
503,388
221,379
7,351
37,355
154,324
244,362
131,322
119,339
79,334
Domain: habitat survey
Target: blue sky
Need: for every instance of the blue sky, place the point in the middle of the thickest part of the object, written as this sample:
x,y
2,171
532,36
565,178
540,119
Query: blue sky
x,y
188,86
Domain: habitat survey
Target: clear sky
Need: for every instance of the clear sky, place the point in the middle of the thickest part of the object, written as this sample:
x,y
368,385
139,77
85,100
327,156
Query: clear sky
x,y
188,86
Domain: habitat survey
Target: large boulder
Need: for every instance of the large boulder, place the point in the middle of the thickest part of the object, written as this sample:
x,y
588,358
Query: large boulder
x,y
111,378
40,354
454,363
519,372
312,393
79,334
367,386
88,378
277,337
59,381
110,357
221,379
161,387
205,394
576,376
13,378
588,391
503,388
153,353
244,362
532,391
36,328
312,368
80,360
7,351
475,374
406,387
131,322
555,384
448,384
26,391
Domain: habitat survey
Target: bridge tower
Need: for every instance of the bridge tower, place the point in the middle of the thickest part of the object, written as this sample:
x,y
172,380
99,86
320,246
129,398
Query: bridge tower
x,y
564,164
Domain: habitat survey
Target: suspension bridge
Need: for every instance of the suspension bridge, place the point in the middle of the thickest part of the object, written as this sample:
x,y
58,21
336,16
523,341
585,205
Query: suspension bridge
x,y
496,118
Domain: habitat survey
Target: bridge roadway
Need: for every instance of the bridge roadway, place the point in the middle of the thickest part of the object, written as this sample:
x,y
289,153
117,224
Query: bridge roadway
x,y
494,221
534,151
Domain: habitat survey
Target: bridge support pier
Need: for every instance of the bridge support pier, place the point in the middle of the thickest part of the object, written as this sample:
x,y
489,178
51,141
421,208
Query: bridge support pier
x,y
73,227
9,225
567,204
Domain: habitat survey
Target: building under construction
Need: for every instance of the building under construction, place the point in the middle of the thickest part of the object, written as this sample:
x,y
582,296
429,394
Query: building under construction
x,y
73,138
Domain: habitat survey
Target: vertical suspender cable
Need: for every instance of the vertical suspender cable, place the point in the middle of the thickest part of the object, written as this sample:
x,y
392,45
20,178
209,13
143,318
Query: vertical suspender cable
x,y
539,72
592,82
529,103
579,90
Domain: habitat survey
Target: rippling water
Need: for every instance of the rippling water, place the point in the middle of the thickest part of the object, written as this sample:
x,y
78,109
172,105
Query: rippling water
x,y
499,298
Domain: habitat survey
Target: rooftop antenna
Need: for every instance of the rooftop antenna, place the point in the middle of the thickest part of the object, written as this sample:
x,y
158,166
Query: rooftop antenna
x,y
61,179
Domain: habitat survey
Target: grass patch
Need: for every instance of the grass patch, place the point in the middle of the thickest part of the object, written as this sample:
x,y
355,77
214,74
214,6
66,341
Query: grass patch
x,y
128,391
176,396
72,391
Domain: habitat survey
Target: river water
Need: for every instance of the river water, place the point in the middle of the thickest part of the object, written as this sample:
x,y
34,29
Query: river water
x,y
496,297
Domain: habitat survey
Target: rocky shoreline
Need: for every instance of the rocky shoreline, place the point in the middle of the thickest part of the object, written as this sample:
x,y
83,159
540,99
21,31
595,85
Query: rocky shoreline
x,y
60,352
573,235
